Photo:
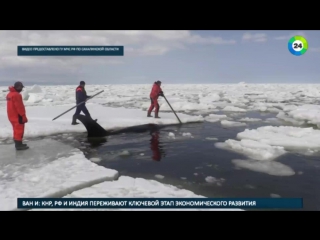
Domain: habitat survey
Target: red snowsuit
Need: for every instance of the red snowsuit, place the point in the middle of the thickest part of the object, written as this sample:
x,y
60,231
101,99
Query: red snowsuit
x,y
154,95
16,113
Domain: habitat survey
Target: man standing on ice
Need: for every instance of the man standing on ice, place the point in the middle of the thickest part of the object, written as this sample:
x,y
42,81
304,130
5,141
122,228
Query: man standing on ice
x,y
81,96
17,114
154,95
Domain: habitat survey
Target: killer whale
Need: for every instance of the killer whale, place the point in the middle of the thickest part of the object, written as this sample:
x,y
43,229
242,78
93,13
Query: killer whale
x,y
94,130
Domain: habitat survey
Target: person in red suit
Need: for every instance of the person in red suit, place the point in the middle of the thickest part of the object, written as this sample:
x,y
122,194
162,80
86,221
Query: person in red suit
x,y
17,114
154,95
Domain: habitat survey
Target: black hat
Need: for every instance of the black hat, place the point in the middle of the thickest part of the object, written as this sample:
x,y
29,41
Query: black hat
x,y
18,84
158,81
82,83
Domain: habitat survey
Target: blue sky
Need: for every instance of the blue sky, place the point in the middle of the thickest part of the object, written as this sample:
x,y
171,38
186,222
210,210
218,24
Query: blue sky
x,y
171,56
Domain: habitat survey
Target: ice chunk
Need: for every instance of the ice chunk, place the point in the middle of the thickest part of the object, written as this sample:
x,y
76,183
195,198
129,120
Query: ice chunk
x,y
273,195
35,89
226,123
215,117
159,176
187,135
252,149
96,160
171,135
291,138
283,116
249,119
214,180
124,153
212,139
308,112
268,167
233,109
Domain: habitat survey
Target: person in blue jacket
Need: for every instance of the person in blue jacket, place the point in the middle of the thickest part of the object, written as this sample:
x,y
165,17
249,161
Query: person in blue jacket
x,y
81,96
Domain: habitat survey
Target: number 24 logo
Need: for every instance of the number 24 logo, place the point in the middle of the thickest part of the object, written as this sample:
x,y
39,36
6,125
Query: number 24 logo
x,y
296,45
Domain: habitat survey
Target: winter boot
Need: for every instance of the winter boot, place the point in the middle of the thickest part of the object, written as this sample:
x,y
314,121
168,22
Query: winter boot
x,y
20,146
157,115
74,120
149,114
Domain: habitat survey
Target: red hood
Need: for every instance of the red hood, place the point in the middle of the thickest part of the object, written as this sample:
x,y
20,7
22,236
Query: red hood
x,y
12,89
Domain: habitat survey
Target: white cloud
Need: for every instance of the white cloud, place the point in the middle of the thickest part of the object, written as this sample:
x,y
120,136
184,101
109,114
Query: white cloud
x,y
136,43
288,36
257,37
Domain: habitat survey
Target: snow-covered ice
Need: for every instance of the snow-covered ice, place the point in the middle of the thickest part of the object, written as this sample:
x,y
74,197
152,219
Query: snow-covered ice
x,y
40,119
264,144
79,177
288,137
128,187
55,179
252,149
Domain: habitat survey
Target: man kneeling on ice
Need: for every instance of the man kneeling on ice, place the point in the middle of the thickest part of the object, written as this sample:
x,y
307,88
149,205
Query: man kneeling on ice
x,y
81,96
17,114
154,95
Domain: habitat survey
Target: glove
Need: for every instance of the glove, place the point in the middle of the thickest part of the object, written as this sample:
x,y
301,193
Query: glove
x,y
24,119
161,94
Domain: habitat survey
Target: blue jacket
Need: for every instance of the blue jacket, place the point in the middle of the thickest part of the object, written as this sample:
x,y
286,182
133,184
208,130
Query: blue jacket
x,y
81,94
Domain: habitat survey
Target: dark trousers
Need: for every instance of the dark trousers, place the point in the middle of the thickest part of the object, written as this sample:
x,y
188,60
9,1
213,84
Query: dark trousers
x,y
81,108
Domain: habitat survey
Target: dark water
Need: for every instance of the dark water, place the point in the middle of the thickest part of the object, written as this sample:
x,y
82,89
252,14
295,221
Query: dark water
x,y
185,162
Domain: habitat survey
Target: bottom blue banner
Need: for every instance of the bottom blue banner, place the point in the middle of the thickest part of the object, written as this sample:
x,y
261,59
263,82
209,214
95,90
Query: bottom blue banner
x,y
244,203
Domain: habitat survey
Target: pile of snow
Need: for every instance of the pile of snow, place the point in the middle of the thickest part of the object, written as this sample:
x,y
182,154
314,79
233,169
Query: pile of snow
x,y
33,94
252,149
